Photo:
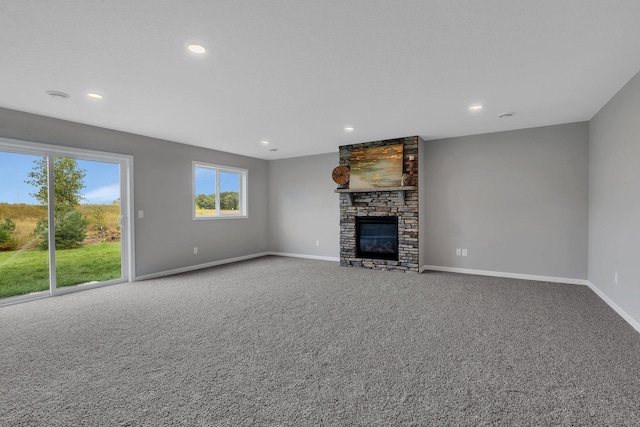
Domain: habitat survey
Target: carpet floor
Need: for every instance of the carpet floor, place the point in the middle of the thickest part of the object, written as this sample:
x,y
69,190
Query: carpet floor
x,y
291,342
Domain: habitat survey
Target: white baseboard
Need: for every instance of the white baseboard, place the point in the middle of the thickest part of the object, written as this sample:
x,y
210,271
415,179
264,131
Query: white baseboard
x,y
229,261
508,275
200,266
317,257
630,320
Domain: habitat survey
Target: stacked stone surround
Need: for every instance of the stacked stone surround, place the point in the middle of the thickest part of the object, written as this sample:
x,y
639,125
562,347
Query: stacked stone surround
x,y
382,203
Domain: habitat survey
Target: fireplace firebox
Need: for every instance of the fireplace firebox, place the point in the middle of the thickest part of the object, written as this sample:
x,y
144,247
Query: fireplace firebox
x,y
377,237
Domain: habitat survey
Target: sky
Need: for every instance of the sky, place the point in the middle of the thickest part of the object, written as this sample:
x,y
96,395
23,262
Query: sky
x,y
102,180
206,181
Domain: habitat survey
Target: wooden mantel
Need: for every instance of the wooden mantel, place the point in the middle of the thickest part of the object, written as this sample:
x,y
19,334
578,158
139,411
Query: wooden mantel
x,y
400,191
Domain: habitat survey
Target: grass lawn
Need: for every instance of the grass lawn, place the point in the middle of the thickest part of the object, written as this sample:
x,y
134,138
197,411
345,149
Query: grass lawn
x,y
23,272
212,212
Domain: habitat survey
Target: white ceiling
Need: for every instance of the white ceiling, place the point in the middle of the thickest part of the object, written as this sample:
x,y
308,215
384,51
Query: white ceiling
x,y
296,72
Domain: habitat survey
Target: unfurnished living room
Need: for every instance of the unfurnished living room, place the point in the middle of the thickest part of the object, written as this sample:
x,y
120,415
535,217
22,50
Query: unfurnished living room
x,y
319,213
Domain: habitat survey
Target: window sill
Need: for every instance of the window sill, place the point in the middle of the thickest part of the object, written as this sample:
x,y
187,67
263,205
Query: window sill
x,y
207,218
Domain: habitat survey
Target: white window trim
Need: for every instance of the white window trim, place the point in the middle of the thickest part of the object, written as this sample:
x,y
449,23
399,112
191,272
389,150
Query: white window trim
x,y
244,177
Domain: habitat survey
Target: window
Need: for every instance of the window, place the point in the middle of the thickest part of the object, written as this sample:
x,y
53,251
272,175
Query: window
x,y
219,192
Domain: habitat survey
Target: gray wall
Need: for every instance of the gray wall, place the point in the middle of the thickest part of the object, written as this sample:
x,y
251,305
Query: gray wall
x,y
303,207
166,236
516,200
614,199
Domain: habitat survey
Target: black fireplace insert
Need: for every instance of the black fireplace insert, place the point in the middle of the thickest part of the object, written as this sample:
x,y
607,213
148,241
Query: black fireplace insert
x,y
377,237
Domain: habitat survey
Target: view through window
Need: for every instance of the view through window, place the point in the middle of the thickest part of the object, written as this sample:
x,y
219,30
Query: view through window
x,y
83,222
219,191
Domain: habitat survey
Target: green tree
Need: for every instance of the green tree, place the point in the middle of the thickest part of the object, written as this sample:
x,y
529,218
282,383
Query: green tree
x,y
7,241
229,201
71,230
68,182
70,225
204,201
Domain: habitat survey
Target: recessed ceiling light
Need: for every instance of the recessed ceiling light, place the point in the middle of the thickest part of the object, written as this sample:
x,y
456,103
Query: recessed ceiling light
x,y
348,128
476,107
94,95
505,115
197,49
264,142
57,94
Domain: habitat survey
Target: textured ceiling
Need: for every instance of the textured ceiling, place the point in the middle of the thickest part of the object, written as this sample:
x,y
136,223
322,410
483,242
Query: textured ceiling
x,y
296,72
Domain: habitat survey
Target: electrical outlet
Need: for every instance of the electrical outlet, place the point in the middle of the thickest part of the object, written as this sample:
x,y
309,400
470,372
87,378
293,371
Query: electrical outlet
x,y
195,250
458,252
615,277
317,242
141,214
464,252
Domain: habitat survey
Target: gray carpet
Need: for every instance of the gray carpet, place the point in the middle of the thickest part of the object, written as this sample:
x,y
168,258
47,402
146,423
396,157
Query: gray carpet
x,y
283,341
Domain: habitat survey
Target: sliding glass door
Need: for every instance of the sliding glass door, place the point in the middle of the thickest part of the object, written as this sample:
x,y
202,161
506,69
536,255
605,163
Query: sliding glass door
x,y
24,268
87,230
64,219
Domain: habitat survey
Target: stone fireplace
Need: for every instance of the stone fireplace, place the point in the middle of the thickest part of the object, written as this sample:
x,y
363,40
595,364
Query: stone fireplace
x,y
388,217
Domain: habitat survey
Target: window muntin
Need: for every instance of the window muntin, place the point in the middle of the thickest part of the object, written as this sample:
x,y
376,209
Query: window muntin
x,y
219,191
